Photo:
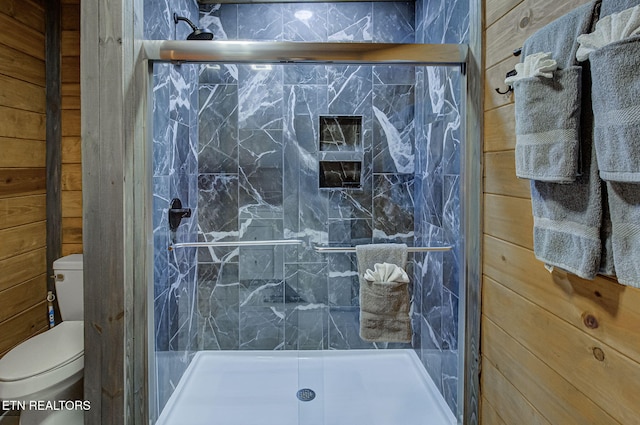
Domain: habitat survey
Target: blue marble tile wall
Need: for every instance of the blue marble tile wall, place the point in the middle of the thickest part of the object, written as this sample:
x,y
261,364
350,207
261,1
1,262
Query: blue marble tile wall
x,y
175,175
437,194
259,176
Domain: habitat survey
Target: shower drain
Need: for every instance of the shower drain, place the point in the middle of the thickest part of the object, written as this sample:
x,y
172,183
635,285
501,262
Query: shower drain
x,y
306,394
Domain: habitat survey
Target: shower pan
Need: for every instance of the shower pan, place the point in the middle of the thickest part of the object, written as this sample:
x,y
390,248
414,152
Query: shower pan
x,y
294,154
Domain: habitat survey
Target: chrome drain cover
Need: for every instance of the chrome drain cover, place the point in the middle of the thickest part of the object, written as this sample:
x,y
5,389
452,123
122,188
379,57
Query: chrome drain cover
x,y
306,394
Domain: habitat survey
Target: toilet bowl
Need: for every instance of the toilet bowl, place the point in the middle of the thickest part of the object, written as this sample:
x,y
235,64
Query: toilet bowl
x,y
49,367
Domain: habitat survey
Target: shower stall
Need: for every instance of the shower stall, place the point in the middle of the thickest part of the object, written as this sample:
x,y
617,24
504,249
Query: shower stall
x,y
298,134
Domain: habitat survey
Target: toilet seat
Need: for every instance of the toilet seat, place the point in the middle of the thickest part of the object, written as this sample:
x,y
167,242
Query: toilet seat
x,y
43,361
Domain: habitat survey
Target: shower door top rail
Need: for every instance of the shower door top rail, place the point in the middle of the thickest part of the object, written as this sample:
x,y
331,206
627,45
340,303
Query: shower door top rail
x,y
233,244
305,52
347,249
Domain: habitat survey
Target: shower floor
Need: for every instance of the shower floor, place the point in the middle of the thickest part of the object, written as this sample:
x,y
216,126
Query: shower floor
x,y
357,387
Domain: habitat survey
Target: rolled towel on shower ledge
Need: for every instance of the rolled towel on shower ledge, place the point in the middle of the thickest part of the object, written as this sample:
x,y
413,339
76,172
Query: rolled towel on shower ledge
x,y
385,305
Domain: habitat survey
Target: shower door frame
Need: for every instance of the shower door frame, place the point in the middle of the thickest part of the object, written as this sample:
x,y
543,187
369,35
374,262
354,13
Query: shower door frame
x,y
340,53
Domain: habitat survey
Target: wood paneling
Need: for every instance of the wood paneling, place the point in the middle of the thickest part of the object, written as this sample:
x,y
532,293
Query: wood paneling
x,y
23,266
21,239
71,248
21,95
70,69
71,123
489,414
22,153
510,31
494,79
71,142
602,308
71,177
72,230
71,150
556,349
500,175
71,203
20,268
21,297
499,129
22,210
71,43
495,9
24,11
582,359
514,407
531,376
23,326
509,218
19,65
21,181
21,124
19,37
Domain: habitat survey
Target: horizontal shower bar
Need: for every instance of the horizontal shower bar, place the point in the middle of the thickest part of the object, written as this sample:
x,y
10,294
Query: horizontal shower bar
x,y
331,249
233,244
233,51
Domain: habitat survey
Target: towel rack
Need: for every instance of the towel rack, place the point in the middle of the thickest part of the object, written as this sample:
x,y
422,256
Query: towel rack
x,y
346,249
236,243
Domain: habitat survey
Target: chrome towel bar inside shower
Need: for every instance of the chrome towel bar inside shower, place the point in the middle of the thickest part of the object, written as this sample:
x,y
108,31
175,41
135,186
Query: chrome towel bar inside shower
x,y
233,244
347,249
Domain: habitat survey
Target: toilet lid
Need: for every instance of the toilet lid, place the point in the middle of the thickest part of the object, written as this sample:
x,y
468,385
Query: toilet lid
x,y
43,352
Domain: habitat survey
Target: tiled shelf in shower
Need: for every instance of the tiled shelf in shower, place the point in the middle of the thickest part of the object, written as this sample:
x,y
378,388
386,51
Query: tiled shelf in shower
x,y
340,133
340,152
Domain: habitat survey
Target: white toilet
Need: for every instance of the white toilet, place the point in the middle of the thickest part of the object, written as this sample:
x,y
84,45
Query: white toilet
x,y
50,365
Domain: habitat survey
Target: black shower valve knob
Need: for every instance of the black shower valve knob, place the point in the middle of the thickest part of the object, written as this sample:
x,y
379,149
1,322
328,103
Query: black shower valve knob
x,y
177,213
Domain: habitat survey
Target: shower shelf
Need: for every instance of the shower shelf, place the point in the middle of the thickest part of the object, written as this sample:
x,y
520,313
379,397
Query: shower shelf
x,y
235,243
341,249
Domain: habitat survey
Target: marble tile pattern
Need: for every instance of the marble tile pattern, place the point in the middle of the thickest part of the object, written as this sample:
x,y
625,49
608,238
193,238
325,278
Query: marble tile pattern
x,y
258,164
437,183
175,175
252,173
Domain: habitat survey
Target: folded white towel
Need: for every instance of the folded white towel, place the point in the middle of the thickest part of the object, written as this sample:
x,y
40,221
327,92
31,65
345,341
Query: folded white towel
x,y
386,272
609,29
535,65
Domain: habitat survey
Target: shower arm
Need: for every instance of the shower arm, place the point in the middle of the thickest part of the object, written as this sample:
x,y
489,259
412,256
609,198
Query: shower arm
x,y
177,18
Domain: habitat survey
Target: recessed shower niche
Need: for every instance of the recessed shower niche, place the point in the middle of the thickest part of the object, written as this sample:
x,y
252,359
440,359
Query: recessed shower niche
x,y
340,152
340,133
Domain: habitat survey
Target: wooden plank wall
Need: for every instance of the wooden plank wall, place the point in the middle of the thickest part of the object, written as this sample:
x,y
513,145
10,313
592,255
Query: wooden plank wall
x,y
556,349
71,153
23,267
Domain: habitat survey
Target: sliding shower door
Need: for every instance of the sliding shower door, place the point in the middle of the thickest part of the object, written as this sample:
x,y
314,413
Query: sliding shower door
x,y
275,162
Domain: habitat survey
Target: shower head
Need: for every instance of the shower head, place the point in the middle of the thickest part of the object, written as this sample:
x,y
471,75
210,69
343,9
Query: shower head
x,y
198,33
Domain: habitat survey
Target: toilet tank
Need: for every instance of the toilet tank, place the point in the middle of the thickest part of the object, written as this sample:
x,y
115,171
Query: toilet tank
x,y
69,287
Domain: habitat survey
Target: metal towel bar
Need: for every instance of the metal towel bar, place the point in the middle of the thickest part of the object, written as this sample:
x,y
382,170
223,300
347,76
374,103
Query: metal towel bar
x,y
235,244
340,249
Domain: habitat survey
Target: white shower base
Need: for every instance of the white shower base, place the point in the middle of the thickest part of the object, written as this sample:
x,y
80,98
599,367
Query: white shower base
x,y
355,387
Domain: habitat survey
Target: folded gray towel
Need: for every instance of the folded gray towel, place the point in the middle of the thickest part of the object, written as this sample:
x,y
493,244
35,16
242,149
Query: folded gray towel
x,y
547,114
385,305
370,254
607,266
567,217
548,111
372,326
614,6
624,205
559,37
616,109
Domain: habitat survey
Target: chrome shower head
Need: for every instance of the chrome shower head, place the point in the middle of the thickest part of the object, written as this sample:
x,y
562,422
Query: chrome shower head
x,y
198,33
